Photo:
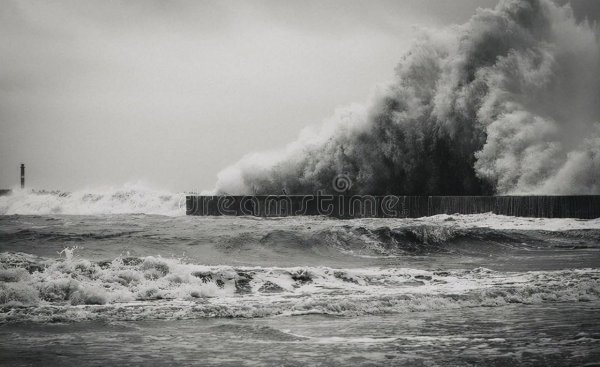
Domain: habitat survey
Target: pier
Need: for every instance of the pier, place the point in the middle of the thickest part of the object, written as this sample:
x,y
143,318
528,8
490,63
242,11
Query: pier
x,y
391,206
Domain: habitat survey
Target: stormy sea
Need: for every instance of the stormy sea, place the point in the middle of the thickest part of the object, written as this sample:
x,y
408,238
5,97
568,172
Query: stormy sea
x,y
507,103
147,288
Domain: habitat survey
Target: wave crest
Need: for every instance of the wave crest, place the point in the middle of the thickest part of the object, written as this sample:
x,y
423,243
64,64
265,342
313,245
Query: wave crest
x,y
131,198
149,287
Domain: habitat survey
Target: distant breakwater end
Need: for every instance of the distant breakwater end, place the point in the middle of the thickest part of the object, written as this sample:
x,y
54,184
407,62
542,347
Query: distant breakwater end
x,y
392,206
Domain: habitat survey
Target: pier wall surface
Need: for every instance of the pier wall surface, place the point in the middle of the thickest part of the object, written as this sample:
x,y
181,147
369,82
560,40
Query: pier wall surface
x,y
584,207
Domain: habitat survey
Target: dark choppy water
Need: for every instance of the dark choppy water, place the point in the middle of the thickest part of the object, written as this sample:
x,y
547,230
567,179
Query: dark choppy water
x,y
148,290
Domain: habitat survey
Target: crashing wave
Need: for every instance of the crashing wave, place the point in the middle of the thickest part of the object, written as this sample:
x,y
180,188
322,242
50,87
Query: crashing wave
x,y
506,103
132,288
131,198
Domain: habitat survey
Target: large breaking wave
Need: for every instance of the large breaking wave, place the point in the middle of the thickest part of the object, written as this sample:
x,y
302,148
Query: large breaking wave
x,y
507,103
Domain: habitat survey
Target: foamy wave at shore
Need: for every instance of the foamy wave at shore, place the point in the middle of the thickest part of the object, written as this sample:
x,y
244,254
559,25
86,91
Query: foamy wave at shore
x,y
130,198
132,288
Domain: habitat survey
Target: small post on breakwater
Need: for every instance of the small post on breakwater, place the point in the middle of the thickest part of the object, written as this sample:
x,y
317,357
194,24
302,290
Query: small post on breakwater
x,y
22,175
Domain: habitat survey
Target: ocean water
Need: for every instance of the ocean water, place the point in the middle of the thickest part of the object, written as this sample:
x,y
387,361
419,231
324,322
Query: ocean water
x,y
151,289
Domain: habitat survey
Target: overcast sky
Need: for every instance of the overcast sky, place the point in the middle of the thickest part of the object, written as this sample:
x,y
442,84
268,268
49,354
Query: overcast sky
x,y
170,92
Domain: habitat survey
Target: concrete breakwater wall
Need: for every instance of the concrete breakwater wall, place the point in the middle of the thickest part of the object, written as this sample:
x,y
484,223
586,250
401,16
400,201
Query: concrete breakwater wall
x,y
584,207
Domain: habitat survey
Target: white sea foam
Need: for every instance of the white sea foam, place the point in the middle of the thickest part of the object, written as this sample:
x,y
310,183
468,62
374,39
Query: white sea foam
x,y
73,288
442,222
129,198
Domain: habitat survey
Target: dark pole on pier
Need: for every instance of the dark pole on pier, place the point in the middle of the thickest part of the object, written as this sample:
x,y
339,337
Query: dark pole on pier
x,y
22,175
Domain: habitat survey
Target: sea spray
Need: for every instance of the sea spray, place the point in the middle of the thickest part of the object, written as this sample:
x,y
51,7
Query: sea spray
x,y
506,103
128,199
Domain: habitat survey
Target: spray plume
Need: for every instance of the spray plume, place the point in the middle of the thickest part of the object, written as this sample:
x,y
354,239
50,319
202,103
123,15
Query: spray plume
x,y
507,103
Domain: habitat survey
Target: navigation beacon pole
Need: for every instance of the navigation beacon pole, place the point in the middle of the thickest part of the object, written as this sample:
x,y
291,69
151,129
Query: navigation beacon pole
x,y
22,175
